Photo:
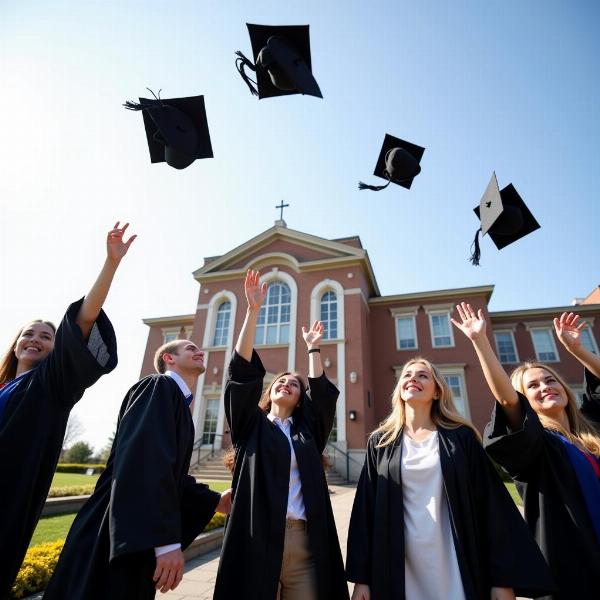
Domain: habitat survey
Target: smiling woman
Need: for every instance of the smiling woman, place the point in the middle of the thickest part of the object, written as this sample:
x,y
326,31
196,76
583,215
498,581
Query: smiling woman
x,y
43,374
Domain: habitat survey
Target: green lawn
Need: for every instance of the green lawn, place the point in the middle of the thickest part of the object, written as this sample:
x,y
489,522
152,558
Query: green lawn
x,y
73,479
56,527
512,488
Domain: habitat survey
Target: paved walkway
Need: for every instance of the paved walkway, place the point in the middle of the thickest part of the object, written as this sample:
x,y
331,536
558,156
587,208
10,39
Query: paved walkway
x,y
200,573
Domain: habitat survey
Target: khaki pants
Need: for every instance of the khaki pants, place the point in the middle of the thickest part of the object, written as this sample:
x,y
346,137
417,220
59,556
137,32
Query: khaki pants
x,y
297,579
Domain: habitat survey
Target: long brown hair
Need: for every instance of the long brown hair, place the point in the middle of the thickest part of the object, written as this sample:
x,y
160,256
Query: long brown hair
x,y
265,405
9,362
443,410
582,432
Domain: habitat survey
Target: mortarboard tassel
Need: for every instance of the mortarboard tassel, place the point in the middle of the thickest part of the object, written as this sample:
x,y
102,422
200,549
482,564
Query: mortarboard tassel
x,y
240,62
375,188
475,252
129,105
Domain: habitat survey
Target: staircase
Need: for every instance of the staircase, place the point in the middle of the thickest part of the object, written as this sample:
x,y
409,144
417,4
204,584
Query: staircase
x,y
211,469
334,478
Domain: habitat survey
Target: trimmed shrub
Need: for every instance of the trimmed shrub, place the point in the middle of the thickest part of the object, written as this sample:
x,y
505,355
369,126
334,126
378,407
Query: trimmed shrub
x,y
37,568
217,521
79,468
71,490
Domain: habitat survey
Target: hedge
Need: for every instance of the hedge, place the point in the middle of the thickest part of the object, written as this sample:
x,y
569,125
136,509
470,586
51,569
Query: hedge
x,y
79,468
71,490
40,562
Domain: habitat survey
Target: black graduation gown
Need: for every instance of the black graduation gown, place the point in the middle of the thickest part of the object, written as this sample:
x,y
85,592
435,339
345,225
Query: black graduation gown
x,y
145,497
33,427
493,545
555,508
252,551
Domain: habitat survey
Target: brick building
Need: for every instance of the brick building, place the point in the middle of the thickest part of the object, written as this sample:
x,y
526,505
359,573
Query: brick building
x,y
369,336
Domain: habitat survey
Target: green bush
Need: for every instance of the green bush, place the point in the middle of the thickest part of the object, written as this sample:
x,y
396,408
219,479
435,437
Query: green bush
x,y
71,490
37,568
79,468
217,521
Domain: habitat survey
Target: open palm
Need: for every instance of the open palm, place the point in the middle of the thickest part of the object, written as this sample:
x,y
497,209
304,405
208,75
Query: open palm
x,y
313,336
255,292
568,330
471,323
116,247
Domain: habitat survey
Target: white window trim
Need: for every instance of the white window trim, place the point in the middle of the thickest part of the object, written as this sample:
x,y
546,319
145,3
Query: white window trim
x,y
315,312
437,312
214,332
276,275
531,329
460,371
414,322
209,396
169,330
512,336
211,318
590,323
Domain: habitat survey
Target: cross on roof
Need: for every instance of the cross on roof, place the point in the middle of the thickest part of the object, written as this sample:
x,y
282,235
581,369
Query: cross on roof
x,y
281,207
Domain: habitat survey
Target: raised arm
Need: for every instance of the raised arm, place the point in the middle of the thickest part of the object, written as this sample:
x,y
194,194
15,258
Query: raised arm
x,y
255,294
313,337
116,249
473,326
568,331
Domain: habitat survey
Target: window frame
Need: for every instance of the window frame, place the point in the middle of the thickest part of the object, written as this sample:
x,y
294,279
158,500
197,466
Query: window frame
x,y
437,313
326,336
514,344
216,320
279,323
460,373
413,319
549,330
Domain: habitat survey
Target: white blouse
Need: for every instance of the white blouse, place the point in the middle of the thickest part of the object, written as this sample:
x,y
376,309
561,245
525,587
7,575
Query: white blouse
x,y
430,565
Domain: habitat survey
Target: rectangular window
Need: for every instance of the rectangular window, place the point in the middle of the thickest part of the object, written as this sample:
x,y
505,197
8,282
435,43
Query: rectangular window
x,y
456,383
588,341
170,336
406,333
441,332
211,415
505,346
543,342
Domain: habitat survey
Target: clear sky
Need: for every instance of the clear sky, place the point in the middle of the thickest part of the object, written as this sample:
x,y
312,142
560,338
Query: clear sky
x,y
511,86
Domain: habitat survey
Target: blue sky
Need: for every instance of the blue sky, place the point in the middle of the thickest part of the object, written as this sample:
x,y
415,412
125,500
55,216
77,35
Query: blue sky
x,y
507,86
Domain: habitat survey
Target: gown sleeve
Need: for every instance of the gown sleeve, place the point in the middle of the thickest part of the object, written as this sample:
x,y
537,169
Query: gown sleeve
x,y
360,532
513,557
145,510
590,407
243,390
198,506
519,450
76,364
319,408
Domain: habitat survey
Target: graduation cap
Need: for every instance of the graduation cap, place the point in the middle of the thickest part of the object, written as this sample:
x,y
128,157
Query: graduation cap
x,y
398,162
281,61
503,215
177,129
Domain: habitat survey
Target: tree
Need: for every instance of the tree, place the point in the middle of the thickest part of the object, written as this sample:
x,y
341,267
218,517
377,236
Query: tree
x,y
80,452
73,431
105,452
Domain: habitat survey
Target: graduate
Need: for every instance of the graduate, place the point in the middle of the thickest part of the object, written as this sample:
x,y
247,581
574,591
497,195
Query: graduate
x,y
127,540
280,540
42,375
431,517
551,449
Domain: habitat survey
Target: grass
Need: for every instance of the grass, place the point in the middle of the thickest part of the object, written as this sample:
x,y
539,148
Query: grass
x,y
56,527
73,479
512,488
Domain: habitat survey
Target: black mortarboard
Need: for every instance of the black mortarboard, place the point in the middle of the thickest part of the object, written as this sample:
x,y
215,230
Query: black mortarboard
x,y
503,215
398,162
281,61
177,129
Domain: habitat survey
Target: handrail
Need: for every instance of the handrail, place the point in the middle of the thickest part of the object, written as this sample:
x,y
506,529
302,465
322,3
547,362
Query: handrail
x,y
348,458
210,452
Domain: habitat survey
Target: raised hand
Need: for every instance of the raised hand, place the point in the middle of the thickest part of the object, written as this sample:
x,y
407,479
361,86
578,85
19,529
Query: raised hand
x,y
313,336
116,247
471,324
568,330
255,292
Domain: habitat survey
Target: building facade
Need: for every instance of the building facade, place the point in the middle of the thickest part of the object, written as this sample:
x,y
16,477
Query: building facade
x,y
368,336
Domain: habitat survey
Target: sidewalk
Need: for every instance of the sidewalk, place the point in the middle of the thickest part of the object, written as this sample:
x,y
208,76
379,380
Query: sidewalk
x,y
200,573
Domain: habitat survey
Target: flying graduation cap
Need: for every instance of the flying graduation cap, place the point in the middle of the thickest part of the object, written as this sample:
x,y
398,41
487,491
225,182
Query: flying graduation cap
x,y
281,61
176,129
398,162
503,215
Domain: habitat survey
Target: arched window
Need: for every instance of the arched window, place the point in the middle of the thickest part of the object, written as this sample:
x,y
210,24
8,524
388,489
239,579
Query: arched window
x,y
222,324
329,315
273,326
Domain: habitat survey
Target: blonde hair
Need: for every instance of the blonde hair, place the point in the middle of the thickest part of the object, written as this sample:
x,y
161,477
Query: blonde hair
x,y
168,348
581,432
443,410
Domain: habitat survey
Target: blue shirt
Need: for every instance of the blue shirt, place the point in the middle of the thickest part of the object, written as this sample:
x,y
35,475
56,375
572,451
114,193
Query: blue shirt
x,y
6,392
